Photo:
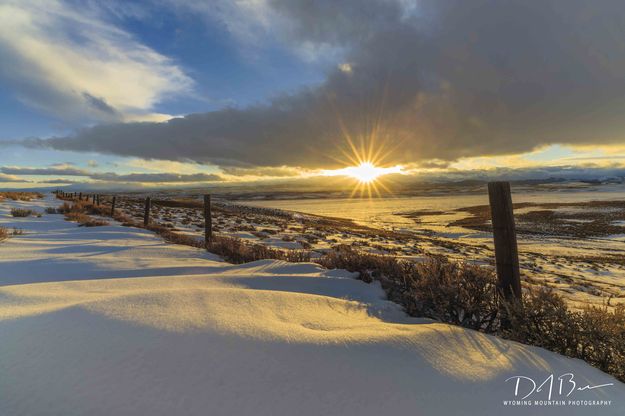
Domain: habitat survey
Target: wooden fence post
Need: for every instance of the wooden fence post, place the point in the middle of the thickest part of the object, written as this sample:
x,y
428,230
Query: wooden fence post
x,y
80,196
208,222
146,214
113,207
504,236
98,199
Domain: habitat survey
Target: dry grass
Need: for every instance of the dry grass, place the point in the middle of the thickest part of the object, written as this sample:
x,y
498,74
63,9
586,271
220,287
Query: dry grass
x,y
236,251
5,233
233,250
81,211
21,212
20,196
85,220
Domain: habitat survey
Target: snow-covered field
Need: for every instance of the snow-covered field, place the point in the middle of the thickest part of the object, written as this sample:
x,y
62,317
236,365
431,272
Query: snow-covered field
x,y
113,321
584,269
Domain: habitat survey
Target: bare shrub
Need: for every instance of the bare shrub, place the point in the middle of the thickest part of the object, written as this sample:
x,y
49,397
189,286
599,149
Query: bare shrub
x,y
170,236
594,334
232,249
456,293
460,294
84,220
235,250
20,196
384,268
5,233
467,295
51,210
21,212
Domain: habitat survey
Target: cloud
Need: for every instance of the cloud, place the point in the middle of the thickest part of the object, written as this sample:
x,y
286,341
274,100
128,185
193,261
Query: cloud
x,y
69,60
268,172
61,181
11,178
69,171
109,176
567,172
434,80
156,177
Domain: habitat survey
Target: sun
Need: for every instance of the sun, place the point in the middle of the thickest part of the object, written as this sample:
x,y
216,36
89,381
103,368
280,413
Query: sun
x,y
366,172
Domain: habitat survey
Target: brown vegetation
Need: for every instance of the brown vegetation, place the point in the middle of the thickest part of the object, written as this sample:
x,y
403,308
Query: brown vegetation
x,y
84,220
235,250
467,295
5,233
232,249
81,211
21,212
580,219
20,196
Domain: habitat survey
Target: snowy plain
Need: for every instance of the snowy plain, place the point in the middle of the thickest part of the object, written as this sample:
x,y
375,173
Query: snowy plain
x,y
112,320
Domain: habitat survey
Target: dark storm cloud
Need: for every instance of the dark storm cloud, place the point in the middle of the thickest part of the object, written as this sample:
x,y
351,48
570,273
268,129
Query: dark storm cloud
x,y
442,80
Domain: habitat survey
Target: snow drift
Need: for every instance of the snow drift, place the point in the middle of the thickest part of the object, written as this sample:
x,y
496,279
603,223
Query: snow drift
x,y
112,320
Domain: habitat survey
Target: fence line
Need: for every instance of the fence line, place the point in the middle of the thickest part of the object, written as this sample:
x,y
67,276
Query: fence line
x,y
502,216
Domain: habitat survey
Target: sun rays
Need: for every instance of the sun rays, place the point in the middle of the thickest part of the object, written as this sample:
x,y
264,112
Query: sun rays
x,y
366,172
364,164
367,149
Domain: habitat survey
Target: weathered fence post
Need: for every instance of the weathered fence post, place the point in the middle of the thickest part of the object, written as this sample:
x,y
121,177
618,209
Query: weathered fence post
x,y
146,214
113,207
80,196
208,222
93,199
98,199
504,235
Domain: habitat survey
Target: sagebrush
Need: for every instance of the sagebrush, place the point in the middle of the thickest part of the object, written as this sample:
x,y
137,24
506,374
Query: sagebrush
x,y
21,212
468,295
20,196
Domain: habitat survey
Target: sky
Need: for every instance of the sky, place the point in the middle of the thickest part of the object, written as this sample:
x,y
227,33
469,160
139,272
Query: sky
x,y
162,93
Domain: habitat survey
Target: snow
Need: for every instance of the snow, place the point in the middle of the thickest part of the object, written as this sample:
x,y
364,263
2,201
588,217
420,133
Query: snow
x,y
112,320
